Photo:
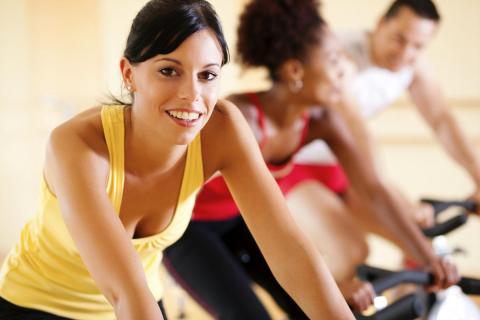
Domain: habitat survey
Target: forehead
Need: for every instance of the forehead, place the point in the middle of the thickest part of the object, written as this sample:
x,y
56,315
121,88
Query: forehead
x,y
328,44
409,24
201,47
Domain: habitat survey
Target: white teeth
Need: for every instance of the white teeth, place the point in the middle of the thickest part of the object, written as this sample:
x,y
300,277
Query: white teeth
x,y
184,115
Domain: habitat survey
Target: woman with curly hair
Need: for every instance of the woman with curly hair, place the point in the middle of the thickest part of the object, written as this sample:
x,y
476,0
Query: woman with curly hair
x,y
120,182
305,64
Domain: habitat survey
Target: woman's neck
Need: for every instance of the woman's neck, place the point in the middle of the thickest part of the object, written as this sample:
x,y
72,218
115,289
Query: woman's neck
x,y
146,152
281,106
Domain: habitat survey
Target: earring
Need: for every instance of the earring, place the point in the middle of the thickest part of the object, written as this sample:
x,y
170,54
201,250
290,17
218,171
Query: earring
x,y
295,85
128,87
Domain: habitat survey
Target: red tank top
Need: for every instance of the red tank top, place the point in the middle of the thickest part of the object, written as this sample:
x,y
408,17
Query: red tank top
x,y
214,201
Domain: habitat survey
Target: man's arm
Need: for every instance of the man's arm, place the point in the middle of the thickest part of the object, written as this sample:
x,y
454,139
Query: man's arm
x,y
428,98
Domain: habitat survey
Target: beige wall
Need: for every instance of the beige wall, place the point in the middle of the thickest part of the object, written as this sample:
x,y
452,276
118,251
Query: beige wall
x,y
454,52
61,56
69,50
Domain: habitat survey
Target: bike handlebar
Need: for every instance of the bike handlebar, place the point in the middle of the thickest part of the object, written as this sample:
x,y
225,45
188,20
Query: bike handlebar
x,y
470,285
382,279
453,223
411,306
446,226
441,205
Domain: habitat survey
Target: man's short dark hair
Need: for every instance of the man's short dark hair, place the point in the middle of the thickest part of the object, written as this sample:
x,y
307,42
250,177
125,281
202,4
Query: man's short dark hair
x,y
423,8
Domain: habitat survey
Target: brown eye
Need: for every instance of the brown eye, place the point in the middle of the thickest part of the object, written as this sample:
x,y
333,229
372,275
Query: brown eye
x,y
207,75
168,72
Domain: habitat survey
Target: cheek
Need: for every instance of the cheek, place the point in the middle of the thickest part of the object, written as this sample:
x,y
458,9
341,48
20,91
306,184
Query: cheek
x,y
330,80
210,97
318,92
414,53
329,88
323,81
155,89
391,48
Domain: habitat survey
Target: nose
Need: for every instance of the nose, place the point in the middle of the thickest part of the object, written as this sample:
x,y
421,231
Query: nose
x,y
345,68
407,52
189,89
341,73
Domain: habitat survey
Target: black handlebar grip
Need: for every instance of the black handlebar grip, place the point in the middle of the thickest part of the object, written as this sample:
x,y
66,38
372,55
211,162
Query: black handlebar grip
x,y
470,286
447,226
369,273
441,205
471,205
416,277
437,205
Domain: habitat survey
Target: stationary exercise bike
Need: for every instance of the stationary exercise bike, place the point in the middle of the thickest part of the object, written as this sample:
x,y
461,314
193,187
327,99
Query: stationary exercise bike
x,y
449,304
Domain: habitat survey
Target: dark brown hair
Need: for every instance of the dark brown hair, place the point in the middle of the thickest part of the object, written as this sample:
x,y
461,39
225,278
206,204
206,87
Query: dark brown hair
x,y
423,8
273,31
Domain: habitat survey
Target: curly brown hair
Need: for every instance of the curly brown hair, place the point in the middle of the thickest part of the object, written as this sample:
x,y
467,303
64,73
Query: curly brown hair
x,y
273,31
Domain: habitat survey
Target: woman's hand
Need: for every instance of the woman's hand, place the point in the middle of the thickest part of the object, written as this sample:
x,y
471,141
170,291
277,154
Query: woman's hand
x,y
445,273
359,294
476,197
424,215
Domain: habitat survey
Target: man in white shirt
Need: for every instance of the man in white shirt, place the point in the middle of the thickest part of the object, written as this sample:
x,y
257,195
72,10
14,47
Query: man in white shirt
x,y
389,60
393,56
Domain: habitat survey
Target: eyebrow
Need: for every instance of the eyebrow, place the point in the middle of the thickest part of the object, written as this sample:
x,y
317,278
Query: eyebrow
x,y
179,63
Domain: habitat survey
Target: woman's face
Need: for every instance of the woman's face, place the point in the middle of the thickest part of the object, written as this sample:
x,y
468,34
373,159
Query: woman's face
x,y
324,71
175,93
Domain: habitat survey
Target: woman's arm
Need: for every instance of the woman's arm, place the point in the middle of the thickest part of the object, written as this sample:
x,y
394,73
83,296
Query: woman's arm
x,y
77,175
388,208
292,258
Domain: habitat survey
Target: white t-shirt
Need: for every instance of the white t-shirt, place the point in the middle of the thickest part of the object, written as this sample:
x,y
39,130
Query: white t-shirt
x,y
374,88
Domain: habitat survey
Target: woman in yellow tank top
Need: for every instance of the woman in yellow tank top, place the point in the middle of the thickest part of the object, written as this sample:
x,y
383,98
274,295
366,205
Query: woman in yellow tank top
x,y
120,182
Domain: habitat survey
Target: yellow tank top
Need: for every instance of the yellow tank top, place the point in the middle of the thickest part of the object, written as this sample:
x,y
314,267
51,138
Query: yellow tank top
x,y
44,270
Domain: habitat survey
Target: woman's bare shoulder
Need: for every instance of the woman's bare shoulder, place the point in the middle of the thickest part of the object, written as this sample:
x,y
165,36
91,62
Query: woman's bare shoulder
x,y
77,146
223,120
85,127
222,135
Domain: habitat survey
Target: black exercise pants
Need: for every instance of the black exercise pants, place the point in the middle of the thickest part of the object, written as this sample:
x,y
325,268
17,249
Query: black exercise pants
x,y
10,311
216,263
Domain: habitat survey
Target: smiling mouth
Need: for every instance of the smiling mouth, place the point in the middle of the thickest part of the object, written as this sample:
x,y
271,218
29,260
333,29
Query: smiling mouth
x,y
184,118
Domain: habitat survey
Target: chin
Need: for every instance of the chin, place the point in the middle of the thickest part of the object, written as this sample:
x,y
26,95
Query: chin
x,y
185,139
396,66
333,98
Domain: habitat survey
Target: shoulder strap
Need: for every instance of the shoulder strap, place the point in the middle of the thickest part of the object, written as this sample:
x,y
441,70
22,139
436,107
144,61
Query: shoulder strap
x,y
114,131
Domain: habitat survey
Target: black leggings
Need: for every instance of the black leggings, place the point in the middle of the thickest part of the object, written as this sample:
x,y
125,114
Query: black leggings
x,y
216,262
10,311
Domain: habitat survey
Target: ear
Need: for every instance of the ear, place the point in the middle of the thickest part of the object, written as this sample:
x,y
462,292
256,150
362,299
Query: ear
x,y
126,69
292,70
